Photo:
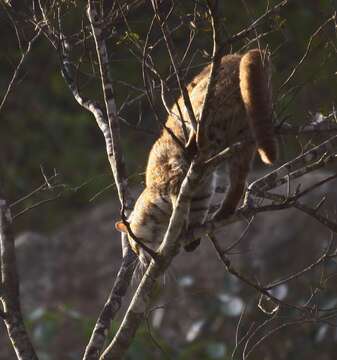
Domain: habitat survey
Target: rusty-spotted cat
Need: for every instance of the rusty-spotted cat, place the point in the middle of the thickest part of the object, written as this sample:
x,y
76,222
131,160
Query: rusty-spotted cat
x,y
241,104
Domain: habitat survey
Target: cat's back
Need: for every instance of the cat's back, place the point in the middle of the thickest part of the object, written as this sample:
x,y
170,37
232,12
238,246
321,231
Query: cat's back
x,y
166,164
226,92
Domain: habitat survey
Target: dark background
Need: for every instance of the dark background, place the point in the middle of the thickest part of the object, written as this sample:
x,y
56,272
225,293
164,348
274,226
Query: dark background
x,y
42,125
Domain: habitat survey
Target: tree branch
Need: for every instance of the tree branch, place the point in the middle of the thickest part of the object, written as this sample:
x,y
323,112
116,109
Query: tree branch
x,y
18,68
324,257
320,154
172,240
244,32
227,263
216,62
114,150
175,63
167,250
108,123
111,307
10,289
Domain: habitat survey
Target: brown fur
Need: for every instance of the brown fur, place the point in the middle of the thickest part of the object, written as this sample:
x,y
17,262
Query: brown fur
x,y
240,104
256,92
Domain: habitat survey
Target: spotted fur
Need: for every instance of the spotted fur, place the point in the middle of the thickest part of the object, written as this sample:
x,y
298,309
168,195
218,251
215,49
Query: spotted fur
x,y
240,104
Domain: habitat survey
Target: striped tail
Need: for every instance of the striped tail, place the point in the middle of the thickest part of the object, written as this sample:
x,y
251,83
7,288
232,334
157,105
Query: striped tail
x,y
256,92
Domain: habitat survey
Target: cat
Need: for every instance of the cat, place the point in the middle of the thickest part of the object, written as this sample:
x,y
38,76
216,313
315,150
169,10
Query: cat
x,y
240,105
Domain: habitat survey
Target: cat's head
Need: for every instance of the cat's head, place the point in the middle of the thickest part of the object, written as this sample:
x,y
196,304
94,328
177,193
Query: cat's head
x,y
136,229
148,223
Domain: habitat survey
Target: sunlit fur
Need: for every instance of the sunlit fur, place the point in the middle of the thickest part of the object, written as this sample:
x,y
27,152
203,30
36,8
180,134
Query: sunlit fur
x,y
240,105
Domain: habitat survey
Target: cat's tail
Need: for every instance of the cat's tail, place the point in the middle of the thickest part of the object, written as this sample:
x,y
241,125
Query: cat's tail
x,y
256,92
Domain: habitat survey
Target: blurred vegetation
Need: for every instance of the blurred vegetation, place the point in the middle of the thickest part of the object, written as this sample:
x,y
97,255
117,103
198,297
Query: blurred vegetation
x,y
41,124
42,127
223,329
45,325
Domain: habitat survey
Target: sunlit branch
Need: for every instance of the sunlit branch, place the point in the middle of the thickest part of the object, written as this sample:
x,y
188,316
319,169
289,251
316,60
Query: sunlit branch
x,y
10,295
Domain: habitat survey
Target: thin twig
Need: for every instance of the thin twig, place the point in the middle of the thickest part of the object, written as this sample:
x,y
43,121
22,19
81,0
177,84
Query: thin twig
x,y
320,28
111,307
175,63
252,27
18,68
324,257
34,192
229,267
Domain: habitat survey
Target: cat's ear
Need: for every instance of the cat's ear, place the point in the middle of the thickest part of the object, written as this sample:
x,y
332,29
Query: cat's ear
x,y
120,226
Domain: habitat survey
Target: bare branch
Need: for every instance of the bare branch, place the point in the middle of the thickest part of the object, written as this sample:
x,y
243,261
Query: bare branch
x,y
319,29
325,125
313,212
18,68
167,250
171,242
227,263
108,120
10,289
320,154
247,30
145,67
268,182
299,321
42,187
327,254
175,63
39,203
216,62
114,149
108,123
111,307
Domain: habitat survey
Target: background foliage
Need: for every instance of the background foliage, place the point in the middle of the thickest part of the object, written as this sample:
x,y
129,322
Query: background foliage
x,y
41,125
43,128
